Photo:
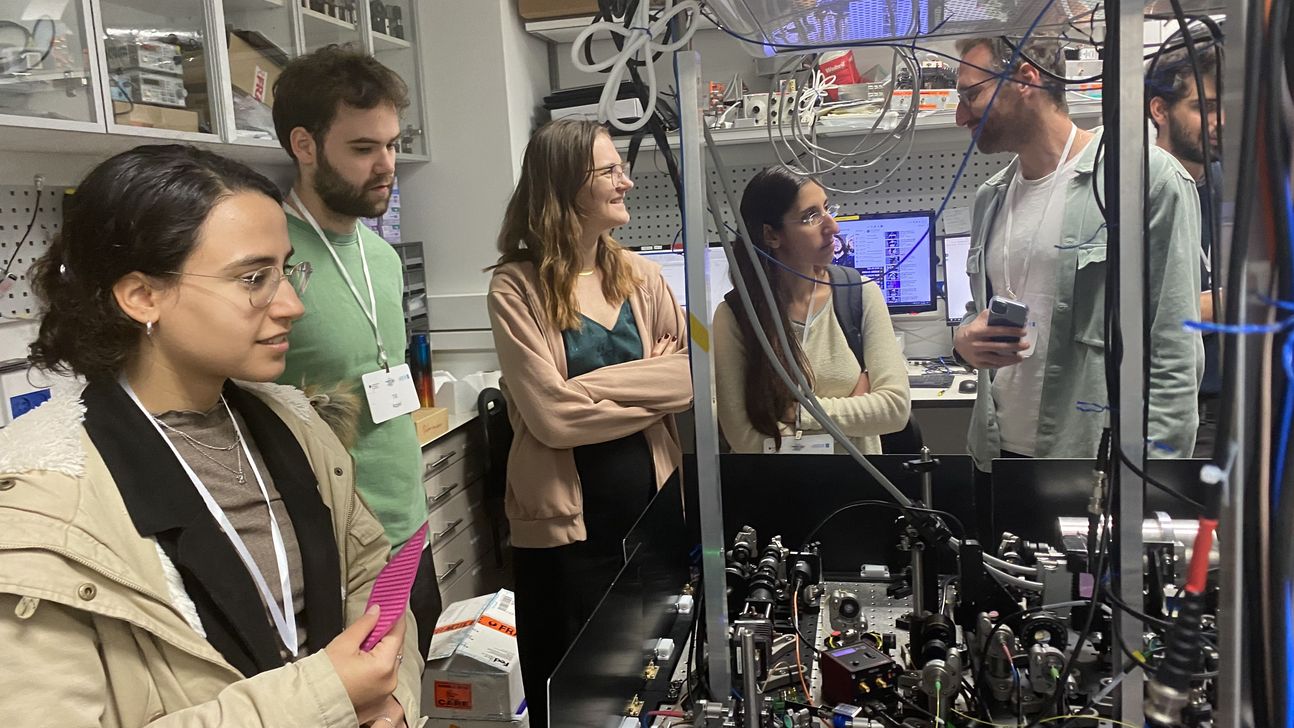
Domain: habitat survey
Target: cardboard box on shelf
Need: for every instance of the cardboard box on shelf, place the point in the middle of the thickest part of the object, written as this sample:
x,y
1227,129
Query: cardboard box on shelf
x,y
472,668
255,63
430,422
156,117
549,9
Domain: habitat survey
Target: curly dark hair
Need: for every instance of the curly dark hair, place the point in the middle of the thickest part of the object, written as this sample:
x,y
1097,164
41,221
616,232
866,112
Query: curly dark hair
x,y
311,89
140,210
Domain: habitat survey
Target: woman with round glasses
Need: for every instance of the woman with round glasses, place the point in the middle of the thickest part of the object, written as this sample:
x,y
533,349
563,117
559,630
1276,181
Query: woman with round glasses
x,y
590,341
182,540
794,230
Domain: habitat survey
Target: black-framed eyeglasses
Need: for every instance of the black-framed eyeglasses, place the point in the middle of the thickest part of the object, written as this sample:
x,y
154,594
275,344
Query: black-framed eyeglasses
x,y
814,218
613,171
263,283
972,92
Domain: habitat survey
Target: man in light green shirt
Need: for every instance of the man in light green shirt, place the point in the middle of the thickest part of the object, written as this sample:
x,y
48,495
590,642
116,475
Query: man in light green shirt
x,y
1038,236
337,113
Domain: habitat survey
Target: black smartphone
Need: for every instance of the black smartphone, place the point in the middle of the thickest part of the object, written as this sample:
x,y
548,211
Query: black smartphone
x,y
1006,312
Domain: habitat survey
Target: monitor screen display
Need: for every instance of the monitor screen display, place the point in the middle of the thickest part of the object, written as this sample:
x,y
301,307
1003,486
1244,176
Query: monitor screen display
x,y
897,251
957,287
671,263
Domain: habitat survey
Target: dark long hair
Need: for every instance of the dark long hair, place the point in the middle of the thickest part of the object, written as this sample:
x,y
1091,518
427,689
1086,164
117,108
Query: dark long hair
x,y
768,197
138,211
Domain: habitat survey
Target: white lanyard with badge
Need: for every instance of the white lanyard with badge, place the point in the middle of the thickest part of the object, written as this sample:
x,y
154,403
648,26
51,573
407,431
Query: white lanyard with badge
x,y
283,614
388,390
801,444
1010,228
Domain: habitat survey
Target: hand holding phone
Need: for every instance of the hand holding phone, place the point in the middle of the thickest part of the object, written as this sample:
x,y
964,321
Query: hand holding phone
x,y
1007,313
987,345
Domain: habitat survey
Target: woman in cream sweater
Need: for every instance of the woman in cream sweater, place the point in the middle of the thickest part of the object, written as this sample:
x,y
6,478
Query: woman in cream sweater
x,y
789,219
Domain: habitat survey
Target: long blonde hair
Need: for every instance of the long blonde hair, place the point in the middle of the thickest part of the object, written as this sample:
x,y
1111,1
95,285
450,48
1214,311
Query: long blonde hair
x,y
543,221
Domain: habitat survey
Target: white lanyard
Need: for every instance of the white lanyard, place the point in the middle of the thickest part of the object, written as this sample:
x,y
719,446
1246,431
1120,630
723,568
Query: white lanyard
x,y
284,616
371,311
1010,207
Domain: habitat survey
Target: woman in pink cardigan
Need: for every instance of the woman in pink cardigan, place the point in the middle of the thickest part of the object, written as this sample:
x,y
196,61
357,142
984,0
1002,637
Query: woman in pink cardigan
x,y
591,344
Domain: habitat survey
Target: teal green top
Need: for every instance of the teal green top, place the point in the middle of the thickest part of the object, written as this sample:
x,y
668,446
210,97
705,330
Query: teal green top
x,y
333,343
1076,350
593,346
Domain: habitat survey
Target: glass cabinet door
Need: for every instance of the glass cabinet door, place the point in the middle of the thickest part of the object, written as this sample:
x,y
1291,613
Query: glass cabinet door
x,y
261,39
47,77
158,59
393,37
325,22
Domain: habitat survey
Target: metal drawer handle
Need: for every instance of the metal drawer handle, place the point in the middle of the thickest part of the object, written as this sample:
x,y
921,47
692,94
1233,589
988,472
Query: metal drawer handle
x,y
441,462
448,529
448,572
444,493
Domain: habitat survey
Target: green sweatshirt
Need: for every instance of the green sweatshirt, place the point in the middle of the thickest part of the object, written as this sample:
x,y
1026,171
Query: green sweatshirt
x,y
333,343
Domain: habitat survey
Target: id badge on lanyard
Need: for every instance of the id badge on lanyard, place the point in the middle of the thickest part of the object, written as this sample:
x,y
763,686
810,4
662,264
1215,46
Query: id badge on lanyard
x,y
388,390
801,444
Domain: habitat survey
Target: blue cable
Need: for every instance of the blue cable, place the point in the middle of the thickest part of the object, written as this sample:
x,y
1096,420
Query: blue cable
x,y
1287,415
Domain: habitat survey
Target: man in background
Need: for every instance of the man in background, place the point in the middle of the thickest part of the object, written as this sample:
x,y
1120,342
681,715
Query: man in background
x,y
1175,105
337,114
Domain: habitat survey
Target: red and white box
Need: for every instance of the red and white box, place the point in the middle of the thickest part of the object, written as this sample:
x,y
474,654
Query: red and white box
x,y
472,668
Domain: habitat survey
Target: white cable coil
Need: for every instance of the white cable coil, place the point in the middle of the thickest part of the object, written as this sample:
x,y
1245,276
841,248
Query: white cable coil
x,y
638,45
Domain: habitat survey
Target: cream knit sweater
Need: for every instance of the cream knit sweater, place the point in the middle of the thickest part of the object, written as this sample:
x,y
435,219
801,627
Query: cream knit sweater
x,y
835,373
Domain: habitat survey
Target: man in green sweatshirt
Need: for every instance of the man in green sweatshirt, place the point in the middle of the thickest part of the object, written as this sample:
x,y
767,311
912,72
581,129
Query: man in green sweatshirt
x,y
337,113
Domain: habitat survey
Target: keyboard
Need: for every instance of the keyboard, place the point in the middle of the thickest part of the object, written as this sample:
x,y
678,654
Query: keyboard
x,y
932,380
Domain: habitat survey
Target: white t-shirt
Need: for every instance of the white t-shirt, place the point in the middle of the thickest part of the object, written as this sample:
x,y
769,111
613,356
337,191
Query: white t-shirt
x,y
1035,235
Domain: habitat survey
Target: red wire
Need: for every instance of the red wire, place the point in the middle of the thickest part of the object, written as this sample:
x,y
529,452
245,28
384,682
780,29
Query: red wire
x,y
1197,577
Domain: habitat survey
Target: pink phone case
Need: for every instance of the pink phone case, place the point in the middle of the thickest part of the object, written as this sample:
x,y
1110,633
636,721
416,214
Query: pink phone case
x,y
391,590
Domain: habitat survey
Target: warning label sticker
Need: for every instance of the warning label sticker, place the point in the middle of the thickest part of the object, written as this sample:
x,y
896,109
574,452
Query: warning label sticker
x,y
453,695
451,627
495,624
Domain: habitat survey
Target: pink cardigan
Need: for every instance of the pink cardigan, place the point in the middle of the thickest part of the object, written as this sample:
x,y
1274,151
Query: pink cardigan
x,y
552,414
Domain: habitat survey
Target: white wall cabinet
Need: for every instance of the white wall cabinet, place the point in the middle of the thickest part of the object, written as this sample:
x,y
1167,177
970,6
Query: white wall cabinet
x,y
98,76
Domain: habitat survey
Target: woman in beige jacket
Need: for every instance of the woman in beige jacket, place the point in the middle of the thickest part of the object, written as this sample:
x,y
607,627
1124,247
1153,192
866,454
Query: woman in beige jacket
x,y
590,341
790,221
177,549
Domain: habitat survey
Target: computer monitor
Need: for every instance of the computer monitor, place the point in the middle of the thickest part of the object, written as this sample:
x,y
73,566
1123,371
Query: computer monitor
x,y
957,288
897,250
671,263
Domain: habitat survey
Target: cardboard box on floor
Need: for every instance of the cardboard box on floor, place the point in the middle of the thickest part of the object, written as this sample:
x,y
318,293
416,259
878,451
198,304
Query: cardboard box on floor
x,y
472,668
522,721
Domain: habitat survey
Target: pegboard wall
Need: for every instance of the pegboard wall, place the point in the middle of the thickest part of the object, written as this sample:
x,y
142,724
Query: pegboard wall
x,y
19,206
920,184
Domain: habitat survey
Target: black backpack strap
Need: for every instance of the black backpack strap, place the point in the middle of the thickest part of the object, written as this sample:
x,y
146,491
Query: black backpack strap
x,y
847,300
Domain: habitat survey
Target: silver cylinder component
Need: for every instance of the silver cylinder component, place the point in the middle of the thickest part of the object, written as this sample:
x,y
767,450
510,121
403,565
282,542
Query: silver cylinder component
x,y
1001,670
948,674
1160,528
